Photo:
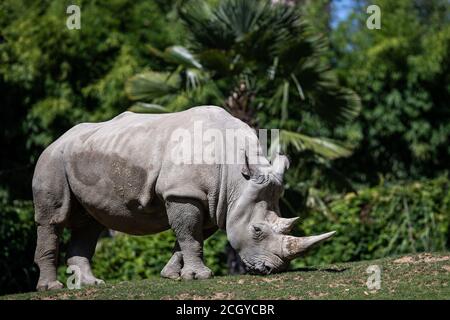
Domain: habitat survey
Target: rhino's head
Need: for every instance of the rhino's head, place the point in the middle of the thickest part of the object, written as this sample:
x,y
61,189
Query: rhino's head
x,y
255,228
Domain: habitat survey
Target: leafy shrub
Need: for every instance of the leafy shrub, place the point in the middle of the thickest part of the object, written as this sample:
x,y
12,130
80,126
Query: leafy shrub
x,y
402,76
53,78
125,257
17,243
382,221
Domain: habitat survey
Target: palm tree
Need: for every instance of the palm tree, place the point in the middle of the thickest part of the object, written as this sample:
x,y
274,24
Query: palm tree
x,y
260,61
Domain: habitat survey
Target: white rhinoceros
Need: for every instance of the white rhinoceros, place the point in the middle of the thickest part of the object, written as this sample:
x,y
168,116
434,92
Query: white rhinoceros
x,y
123,175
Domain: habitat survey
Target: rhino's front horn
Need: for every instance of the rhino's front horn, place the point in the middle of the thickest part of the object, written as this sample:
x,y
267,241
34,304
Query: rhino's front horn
x,y
284,225
294,246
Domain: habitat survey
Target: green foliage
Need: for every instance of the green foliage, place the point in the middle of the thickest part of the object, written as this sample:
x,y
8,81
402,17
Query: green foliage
x,y
318,12
126,257
402,73
52,78
382,221
17,243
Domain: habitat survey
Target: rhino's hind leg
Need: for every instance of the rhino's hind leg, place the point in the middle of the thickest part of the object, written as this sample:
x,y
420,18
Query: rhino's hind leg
x,y
81,249
52,204
186,220
46,257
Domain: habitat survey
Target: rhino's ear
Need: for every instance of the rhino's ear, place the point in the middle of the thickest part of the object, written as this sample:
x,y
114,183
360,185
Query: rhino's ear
x,y
255,172
279,165
249,171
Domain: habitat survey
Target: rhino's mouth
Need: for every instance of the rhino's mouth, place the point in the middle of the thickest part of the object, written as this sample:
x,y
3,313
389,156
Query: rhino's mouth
x,y
259,267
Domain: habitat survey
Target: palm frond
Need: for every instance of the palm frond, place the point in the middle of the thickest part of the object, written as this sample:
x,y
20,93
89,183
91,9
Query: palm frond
x,y
298,86
241,16
285,102
217,61
142,107
335,105
206,31
152,85
327,148
177,55
182,56
195,78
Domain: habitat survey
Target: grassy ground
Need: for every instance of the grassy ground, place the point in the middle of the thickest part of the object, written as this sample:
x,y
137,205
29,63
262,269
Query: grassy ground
x,y
421,276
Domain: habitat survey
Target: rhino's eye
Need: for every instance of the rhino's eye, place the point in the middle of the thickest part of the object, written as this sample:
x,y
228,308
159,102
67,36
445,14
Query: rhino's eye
x,y
257,232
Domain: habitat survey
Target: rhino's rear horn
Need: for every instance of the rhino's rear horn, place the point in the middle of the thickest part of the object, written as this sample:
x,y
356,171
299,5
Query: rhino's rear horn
x,y
283,225
294,246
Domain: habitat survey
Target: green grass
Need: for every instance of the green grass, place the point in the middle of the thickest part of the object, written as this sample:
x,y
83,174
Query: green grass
x,y
419,276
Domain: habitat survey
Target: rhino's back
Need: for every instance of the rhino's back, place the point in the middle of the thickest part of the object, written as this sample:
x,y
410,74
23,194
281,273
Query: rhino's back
x,y
120,170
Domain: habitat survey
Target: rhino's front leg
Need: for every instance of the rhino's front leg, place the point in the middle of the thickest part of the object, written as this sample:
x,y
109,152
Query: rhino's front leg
x,y
172,269
186,220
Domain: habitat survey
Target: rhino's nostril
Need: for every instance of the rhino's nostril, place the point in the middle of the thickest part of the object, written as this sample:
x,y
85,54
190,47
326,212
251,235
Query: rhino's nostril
x,y
268,269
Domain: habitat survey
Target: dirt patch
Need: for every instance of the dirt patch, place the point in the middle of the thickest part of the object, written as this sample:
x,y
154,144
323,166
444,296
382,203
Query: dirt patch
x,y
430,259
269,280
294,298
422,258
337,284
447,268
188,296
222,296
405,259
182,296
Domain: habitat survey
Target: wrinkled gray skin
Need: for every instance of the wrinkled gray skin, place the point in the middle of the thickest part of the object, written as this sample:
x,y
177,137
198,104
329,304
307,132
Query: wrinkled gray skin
x,y
119,175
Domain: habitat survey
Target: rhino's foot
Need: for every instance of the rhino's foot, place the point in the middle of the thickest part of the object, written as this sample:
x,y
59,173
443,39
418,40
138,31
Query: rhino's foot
x,y
172,269
88,280
200,272
82,268
50,285
170,274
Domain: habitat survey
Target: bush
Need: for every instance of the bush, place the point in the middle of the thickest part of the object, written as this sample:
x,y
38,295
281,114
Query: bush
x,y
402,75
17,243
125,257
382,221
